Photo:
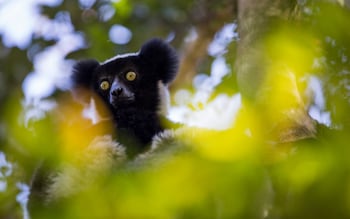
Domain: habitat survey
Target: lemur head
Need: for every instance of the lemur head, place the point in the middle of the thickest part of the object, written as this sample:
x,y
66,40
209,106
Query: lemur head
x,y
130,80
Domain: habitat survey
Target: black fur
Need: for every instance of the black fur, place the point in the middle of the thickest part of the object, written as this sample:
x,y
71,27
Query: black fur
x,y
133,104
163,57
83,72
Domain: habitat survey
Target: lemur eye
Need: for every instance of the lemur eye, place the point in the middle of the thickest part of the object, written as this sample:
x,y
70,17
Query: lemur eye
x,y
104,85
130,76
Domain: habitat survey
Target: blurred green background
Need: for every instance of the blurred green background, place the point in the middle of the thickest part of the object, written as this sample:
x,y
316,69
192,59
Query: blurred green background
x,y
266,83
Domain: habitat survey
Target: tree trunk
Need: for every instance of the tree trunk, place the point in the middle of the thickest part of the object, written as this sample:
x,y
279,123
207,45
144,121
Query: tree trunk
x,y
280,106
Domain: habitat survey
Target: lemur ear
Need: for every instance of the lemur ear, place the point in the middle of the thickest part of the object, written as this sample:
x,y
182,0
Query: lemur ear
x,y
162,57
82,75
82,80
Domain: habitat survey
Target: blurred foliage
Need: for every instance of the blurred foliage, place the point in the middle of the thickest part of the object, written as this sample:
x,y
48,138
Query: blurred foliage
x,y
334,64
236,173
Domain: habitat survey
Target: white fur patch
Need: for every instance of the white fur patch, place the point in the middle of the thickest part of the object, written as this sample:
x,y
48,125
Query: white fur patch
x,y
97,159
164,98
120,56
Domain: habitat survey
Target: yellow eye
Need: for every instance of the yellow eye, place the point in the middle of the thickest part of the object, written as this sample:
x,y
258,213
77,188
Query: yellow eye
x,y
104,85
130,76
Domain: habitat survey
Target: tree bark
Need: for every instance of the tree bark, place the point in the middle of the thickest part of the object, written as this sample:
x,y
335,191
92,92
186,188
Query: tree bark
x,y
289,121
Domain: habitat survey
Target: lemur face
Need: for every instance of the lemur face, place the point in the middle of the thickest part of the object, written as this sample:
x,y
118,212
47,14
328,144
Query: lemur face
x,y
127,82
130,80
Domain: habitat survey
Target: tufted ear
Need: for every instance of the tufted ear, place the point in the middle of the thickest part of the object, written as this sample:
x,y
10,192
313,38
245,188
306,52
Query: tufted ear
x,y
162,57
81,78
83,73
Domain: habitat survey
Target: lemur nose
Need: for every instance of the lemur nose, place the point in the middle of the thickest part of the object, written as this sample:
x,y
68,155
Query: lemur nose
x,y
117,92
